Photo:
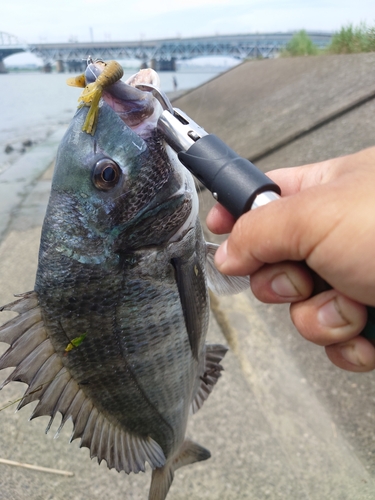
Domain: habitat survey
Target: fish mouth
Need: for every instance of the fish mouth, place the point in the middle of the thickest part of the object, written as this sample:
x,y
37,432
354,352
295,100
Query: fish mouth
x,y
138,109
133,106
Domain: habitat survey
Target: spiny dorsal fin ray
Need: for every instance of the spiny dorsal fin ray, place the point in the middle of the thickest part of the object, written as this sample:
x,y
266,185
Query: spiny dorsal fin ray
x,y
81,418
25,302
17,326
27,368
39,366
65,399
24,345
212,372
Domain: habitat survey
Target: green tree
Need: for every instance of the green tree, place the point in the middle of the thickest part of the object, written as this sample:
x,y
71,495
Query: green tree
x,y
300,45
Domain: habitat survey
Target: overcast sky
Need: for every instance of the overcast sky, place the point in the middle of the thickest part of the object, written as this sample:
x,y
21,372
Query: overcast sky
x,y
48,21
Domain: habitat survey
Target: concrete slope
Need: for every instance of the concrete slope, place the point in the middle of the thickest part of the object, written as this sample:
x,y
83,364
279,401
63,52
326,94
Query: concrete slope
x,y
346,134
260,105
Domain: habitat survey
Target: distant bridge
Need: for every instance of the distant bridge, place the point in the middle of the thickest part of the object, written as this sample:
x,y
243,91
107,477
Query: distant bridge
x,y
163,54
9,45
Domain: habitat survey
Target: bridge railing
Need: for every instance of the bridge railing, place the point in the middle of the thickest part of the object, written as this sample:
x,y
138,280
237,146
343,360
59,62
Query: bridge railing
x,y
8,40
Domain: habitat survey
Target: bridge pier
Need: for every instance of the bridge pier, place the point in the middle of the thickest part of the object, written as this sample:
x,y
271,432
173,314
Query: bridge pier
x,y
163,64
47,68
2,67
76,66
60,66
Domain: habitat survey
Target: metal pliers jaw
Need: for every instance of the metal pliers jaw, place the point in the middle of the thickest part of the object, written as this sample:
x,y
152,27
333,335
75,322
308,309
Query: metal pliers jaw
x,y
158,94
179,130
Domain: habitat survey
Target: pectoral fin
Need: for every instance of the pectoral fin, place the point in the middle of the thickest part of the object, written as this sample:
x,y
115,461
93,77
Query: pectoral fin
x,y
192,290
219,283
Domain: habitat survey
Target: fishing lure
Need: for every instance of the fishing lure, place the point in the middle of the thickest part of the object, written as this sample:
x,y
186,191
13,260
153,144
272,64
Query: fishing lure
x,y
76,342
92,92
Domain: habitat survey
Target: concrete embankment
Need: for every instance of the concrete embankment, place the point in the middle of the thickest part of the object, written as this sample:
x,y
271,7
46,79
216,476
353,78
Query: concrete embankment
x,y
282,423
262,106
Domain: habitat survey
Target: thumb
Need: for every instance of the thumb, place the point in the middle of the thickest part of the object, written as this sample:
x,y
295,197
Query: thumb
x,y
274,233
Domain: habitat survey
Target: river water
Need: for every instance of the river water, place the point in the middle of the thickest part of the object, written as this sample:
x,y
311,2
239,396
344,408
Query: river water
x,y
34,105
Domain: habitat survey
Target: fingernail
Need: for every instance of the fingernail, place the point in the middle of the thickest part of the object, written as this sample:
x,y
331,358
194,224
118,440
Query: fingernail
x,y
283,286
351,354
221,254
330,315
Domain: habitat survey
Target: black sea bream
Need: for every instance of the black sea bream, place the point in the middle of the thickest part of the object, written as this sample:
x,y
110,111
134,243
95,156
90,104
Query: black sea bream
x,y
113,335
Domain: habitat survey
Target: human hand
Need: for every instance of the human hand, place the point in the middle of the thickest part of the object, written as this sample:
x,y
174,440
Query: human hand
x,y
326,219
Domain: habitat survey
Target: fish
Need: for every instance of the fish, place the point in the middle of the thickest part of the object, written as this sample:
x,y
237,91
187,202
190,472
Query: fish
x,y
113,335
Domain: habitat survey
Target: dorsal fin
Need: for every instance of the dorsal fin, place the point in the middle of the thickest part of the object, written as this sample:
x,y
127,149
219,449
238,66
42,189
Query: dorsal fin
x,y
212,372
38,365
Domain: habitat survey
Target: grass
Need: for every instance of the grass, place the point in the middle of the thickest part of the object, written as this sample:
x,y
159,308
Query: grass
x,y
353,39
349,40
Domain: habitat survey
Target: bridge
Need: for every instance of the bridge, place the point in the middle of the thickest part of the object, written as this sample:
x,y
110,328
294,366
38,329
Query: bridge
x,y
163,54
9,45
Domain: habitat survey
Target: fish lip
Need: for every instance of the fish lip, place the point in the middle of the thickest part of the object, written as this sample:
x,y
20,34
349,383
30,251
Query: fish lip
x,y
131,111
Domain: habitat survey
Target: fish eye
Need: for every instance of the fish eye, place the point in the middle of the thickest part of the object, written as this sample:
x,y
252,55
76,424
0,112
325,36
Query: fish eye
x,y
106,174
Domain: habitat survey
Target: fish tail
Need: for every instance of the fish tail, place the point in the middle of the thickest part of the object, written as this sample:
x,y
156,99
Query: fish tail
x,y
161,482
162,477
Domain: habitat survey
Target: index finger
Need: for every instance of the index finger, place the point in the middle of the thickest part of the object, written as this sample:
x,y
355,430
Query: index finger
x,y
290,180
219,220
294,179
